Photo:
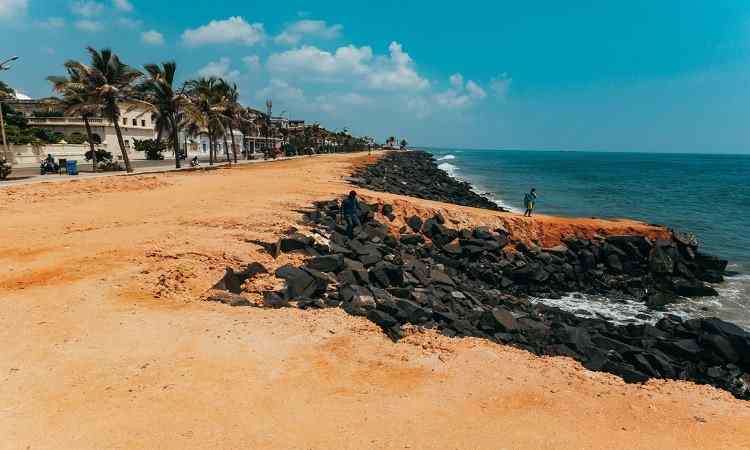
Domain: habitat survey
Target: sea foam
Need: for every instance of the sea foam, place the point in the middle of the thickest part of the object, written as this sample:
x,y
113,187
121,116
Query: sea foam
x,y
446,158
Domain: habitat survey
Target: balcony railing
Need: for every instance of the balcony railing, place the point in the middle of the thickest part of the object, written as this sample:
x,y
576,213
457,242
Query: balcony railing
x,y
66,121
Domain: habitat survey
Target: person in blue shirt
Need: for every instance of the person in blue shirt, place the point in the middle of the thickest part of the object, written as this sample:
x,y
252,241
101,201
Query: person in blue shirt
x,y
351,210
529,200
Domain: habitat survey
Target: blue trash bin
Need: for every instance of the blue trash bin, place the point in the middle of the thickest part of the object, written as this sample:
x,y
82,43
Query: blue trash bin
x,y
72,167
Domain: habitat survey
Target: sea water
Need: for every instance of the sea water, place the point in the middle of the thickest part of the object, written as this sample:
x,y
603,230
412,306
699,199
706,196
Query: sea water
x,y
708,195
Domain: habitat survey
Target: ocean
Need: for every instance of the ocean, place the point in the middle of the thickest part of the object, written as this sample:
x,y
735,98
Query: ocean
x,y
708,195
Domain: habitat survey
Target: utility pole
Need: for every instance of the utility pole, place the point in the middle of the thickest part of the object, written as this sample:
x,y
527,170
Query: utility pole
x,y
5,66
269,109
5,140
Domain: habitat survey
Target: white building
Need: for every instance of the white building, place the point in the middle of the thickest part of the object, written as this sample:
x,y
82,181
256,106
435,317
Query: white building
x,y
136,123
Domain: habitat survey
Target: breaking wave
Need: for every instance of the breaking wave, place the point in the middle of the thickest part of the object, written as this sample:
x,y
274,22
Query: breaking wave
x,y
446,158
450,169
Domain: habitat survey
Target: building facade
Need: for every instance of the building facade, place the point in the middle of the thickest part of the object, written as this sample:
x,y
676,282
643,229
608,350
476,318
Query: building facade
x,y
136,123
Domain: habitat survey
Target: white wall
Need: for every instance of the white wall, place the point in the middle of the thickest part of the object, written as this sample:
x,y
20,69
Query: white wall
x,y
31,156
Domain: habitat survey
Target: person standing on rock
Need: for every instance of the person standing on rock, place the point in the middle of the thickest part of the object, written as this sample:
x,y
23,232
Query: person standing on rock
x,y
350,210
529,200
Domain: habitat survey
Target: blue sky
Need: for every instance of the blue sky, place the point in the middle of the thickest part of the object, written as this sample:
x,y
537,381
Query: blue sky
x,y
587,75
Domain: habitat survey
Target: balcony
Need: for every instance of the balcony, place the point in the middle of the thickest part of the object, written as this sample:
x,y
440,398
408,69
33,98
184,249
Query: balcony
x,y
73,121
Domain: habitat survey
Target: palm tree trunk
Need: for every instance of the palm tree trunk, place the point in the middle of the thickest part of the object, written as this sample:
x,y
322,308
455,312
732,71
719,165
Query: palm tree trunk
x,y
158,135
210,147
226,149
125,156
234,147
176,144
90,137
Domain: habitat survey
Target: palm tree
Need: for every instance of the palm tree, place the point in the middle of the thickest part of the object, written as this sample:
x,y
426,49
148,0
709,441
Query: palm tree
x,y
166,103
232,111
76,101
204,110
108,82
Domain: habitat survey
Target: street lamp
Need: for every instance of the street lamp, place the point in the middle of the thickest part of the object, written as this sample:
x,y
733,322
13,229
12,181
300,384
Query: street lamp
x,y
5,65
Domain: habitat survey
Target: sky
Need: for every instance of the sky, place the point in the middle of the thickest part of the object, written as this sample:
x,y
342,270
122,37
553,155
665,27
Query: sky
x,y
653,76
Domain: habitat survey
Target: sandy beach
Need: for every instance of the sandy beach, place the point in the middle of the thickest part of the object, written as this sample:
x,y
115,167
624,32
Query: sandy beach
x,y
107,342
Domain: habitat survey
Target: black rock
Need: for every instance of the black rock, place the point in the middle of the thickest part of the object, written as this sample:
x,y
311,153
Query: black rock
x,y
658,300
232,281
415,223
498,320
693,288
328,263
440,277
228,298
412,239
295,241
299,284
274,300
661,260
381,318
709,262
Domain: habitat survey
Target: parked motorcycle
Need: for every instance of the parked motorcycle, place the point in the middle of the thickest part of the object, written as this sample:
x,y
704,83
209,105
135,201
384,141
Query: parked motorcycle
x,y
48,166
5,169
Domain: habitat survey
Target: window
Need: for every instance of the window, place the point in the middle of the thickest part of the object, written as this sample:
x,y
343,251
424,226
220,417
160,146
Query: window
x,y
204,147
143,123
127,143
124,121
135,122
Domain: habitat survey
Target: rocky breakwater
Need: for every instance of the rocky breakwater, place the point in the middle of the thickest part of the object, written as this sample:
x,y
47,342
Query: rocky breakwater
x,y
476,282
416,174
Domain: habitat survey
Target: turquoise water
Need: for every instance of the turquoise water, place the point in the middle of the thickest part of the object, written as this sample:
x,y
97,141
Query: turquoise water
x,y
706,194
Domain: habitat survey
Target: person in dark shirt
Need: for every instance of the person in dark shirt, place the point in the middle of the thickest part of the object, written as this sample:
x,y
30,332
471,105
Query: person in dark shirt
x,y
529,201
351,210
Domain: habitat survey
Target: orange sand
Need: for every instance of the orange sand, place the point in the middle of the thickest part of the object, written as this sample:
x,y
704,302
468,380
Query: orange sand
x,y
105,343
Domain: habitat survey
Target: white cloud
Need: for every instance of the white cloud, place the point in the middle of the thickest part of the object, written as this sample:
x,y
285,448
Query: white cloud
x,y
123,5
88,25
501,85
130,23
251,61
219,69
10,9
460,94
396,72
457,80
452,98
308,59
356,64
232,30
281,90
294,32
52,22
86,8
152,37
475,90
342,102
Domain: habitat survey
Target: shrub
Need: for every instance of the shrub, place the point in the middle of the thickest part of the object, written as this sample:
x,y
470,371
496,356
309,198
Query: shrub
x,y
101,155
152,148
109,166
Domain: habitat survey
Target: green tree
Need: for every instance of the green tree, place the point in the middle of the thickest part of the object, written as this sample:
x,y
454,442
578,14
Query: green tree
x,y
151,147
108,83
203,111
76,99
232,111
166,102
